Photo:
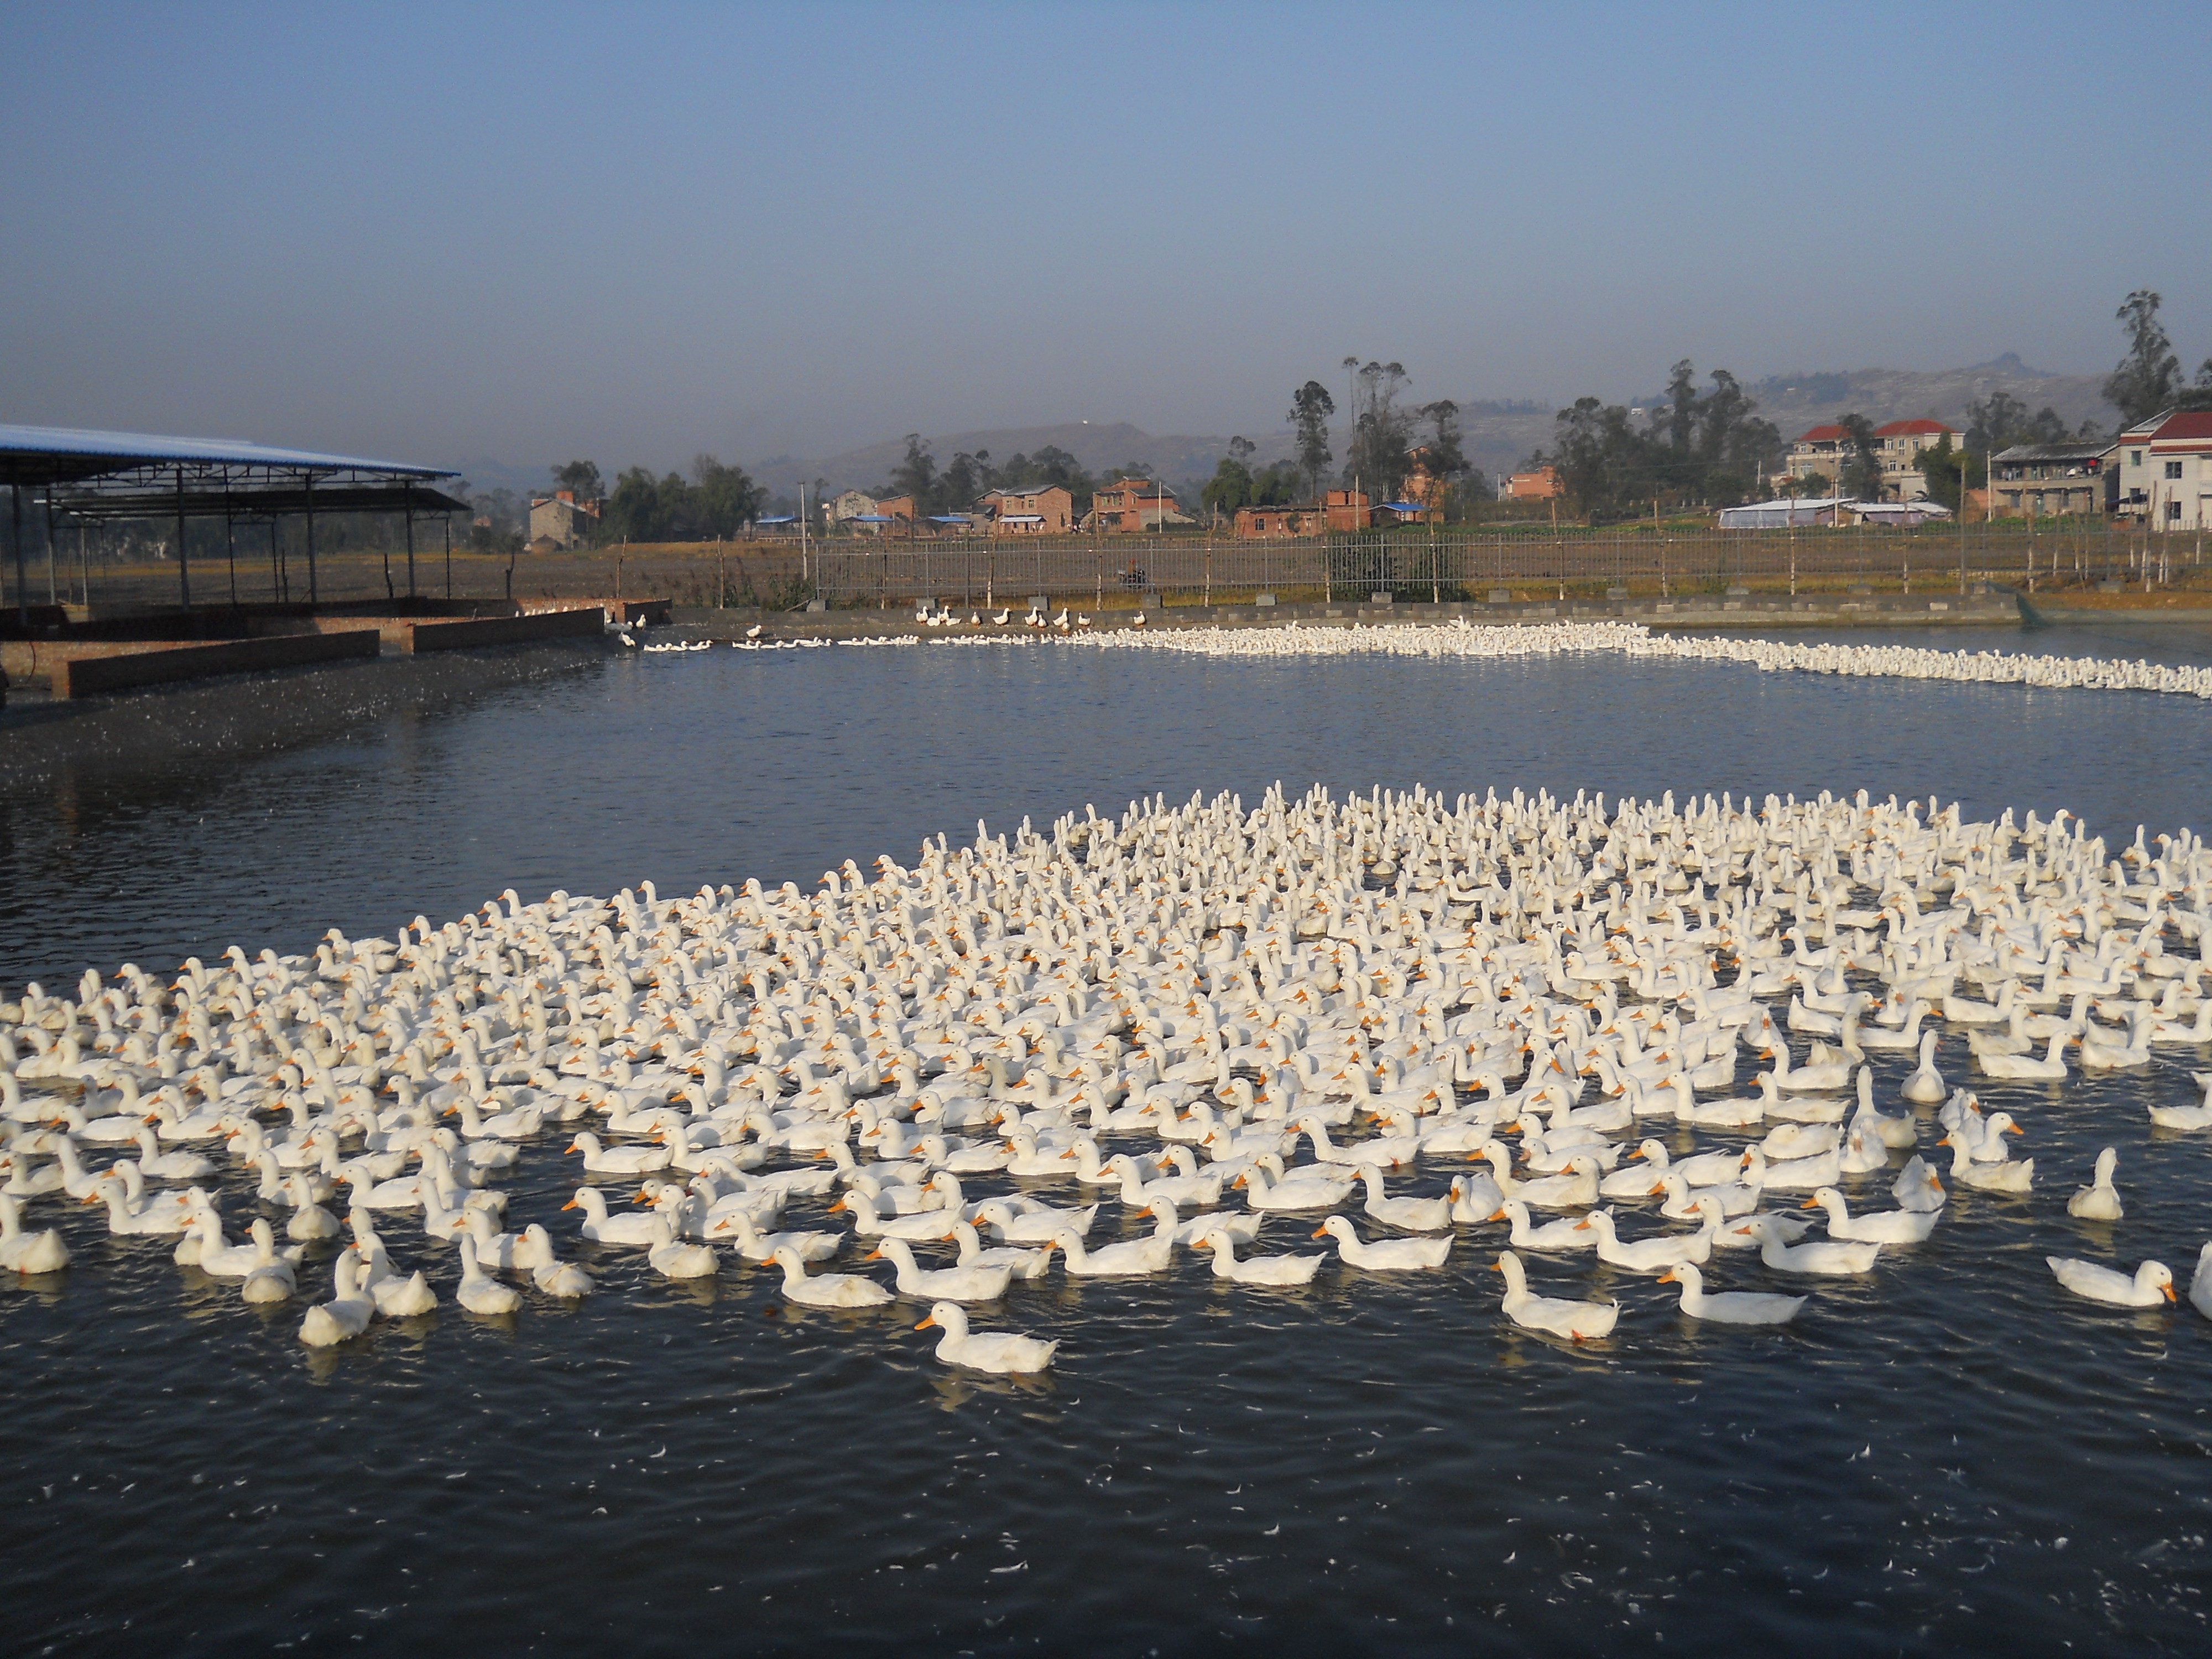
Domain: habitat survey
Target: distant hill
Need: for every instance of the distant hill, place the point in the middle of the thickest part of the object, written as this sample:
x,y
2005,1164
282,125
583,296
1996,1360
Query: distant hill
x,y
1500,433
1095,445
1794,402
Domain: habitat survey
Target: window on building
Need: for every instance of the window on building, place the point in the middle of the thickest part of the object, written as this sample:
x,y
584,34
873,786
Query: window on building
x,y
2173,509
2174,469
2134,458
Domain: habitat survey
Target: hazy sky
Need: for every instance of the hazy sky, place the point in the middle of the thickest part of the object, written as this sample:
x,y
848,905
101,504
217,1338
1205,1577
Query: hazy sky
x,y
635,232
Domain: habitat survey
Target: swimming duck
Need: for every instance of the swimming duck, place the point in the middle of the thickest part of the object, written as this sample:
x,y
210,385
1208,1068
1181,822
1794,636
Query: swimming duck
x,y
998,1351
1729,1307
1386,1254
1268,1270
1579,1321
480,1293
2144,1288
825,1290
1882,1227
346,1316
2100,1200
956,1283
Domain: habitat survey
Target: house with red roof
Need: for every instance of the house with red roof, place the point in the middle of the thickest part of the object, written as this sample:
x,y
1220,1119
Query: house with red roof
x,y
1824,450
2166,471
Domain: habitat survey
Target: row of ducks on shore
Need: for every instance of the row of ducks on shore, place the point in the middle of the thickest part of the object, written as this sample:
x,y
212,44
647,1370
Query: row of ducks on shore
x,y
1463,639
1231,984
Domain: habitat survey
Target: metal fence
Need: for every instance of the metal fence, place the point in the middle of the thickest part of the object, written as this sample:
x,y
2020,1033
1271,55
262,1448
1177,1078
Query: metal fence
x,y
1411,564
1457,564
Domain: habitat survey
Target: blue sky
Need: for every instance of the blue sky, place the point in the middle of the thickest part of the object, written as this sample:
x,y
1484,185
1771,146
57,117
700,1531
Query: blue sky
x,y
638,232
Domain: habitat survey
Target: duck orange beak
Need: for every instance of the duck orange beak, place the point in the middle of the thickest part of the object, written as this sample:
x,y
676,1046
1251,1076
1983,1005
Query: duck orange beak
x,y
876,1254
571,1205
1668,1278
927,1323
1320,1232
1810,1204
2167,1291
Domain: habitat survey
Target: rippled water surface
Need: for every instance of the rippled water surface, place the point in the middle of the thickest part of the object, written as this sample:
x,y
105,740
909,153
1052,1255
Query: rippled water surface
x,y
1947,1455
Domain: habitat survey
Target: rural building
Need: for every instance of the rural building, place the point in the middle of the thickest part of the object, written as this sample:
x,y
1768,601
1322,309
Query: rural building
x,y
560,521
2038,481
1297,519
1820,452
1048,510
1134,504
851,504
899,509
1347,509
1542,485
2166,471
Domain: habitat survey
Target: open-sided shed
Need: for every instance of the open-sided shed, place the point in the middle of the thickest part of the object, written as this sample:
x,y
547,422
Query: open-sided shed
x,y
84,476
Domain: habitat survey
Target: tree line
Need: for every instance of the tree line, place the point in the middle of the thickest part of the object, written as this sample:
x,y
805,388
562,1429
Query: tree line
x,y
969,476
1391,442
1708,445
1704,445
716,500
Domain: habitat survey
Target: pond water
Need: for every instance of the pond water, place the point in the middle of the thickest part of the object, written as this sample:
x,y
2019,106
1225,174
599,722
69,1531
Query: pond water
x,y
1947,1455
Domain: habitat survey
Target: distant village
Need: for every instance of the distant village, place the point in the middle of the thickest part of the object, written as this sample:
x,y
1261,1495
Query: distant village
x,y
2155,473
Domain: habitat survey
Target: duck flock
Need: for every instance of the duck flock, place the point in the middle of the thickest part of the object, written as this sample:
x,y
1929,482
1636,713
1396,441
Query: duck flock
x,y
1459,638
1319,1036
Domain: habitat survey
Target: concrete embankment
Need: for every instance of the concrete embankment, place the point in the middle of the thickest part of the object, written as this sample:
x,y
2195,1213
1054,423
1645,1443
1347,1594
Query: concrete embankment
x,y
190,726
1747,611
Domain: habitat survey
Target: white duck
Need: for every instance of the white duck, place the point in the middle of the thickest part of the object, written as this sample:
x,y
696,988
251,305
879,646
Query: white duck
x,y
2100,1200
738,1227
1243,1228
1575,1190
480,1293
1835,1256
1414,1215
1925,1086
2008,1177
627,1160
1579,1321
1132,1258
271,1277
603,1229
826,1290
2200,1285
957,1284
1654,1254
1797,1174
998,1351
1881,1227
1729,1307
149,1221
402,1298
1038,1225
1386,1255
673,1257
1639,1179
547,1271
1263,1192
2026,1067
1267,1270
2144,1288
346,1316
1919,1187
972,1253
1567,1233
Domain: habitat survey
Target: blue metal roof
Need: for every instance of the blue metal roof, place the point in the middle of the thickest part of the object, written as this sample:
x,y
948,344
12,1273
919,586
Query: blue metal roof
x,y
139,448
780,518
